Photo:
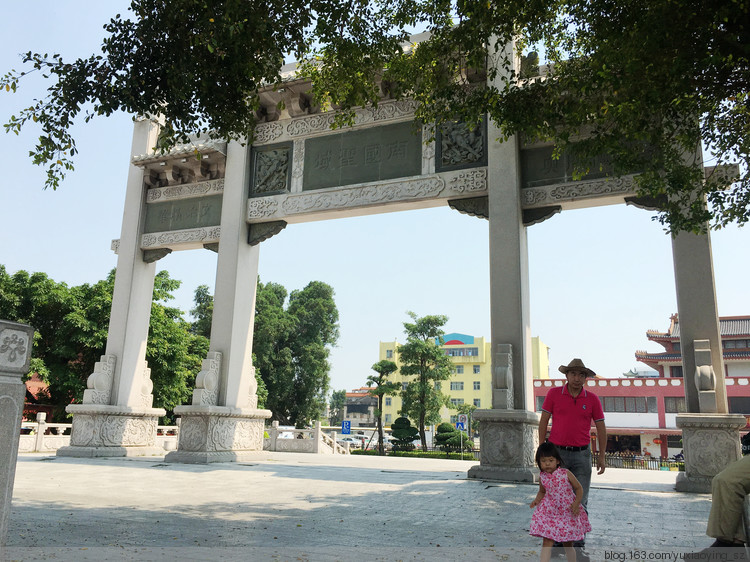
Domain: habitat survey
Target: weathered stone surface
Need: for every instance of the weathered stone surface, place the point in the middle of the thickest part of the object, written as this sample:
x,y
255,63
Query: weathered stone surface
x,y
15,353
218,434
508,440
711,442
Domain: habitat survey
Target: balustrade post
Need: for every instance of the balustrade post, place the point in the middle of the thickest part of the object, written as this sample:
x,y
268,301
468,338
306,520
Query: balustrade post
x,y
41,429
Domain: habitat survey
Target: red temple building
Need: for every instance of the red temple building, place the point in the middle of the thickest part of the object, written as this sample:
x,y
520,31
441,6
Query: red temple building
x,y
640,410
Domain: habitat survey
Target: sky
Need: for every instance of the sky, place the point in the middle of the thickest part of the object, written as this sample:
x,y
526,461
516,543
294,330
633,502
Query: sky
x,y
599,278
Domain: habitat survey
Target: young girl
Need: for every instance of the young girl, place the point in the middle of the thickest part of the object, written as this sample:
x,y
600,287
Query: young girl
x,y
558,516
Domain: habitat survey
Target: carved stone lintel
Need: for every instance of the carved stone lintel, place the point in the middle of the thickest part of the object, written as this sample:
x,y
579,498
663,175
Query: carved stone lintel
x,y
219,434
258,232
99,383
508,444
502,377
474,206
112,431
710,441
150,256
207,382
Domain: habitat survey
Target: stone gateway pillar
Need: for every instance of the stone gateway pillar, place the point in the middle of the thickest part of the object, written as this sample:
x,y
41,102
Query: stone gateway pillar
x,y
16,342
224,423
710,434
116,417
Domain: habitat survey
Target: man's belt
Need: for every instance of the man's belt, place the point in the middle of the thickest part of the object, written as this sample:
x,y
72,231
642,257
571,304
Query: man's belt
x,y
566,448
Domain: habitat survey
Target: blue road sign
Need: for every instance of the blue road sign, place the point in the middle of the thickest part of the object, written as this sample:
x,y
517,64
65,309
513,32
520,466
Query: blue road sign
x,y
346,427
460,425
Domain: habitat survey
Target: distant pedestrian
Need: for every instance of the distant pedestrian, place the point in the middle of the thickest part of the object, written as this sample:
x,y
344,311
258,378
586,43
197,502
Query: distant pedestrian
x,y
558,517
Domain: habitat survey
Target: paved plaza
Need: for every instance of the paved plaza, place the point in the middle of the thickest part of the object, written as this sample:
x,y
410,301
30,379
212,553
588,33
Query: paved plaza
x,y
290,506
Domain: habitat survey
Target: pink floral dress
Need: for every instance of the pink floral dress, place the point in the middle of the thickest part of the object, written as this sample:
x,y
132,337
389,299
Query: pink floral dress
x,y
552,518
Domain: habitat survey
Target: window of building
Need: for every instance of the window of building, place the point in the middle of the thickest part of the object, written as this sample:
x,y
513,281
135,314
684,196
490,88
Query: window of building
x,y
476,369
539,402
736,344
676,347
438,385
477,385
477,402
460,369
404,385
454,419
457,386
674,404
388,418
739,405
674,441
676,371
387,400
629,404
457,401
462,351
389,354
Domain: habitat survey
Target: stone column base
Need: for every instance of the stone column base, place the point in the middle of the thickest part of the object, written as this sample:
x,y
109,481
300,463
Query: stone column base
x,y
710,442
219,434
508,443
112,431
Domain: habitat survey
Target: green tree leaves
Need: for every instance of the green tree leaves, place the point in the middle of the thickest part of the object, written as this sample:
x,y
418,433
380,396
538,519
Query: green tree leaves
x,y
422,358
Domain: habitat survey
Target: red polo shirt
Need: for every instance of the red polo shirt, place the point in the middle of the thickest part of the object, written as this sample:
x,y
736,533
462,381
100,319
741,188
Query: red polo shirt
x,y
572,417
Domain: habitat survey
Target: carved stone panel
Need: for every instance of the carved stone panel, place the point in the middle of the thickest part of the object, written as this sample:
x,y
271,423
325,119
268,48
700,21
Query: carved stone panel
x,y
181,214
461,146
271,170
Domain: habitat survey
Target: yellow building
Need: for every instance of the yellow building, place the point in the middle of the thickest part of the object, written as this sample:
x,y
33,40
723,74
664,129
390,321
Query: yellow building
x,y
471,382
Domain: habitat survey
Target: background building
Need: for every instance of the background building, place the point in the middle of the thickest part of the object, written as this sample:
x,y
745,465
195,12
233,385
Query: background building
x,y
471,382
640,411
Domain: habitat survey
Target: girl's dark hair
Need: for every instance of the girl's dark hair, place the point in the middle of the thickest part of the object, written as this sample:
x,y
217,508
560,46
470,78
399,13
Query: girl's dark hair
x,y
547,449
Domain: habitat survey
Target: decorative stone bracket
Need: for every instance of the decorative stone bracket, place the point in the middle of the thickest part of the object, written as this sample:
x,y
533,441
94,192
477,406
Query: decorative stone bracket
x,y
502,377
705,378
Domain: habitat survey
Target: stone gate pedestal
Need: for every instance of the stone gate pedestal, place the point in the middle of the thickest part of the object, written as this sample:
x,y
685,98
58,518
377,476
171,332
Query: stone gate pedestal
x,y
710,442
101,430
219,434
508,443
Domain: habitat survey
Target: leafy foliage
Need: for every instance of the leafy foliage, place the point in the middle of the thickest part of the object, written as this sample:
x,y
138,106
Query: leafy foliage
x,y
403,434
382,387
423,358
448,438
643,81
336,405
71,333
291,347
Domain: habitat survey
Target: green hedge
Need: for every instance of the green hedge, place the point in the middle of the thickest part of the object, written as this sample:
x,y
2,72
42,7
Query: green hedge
x,y
417,453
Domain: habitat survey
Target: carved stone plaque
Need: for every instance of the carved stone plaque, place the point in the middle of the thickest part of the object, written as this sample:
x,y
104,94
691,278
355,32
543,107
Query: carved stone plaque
x,y
183,214
538,167
366,155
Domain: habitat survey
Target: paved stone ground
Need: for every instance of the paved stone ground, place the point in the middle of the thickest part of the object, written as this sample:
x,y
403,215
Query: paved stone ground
x,y
290,506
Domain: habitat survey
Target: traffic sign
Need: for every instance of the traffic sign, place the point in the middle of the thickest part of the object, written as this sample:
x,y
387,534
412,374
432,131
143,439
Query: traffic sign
x,y
346,427
460,425
464,419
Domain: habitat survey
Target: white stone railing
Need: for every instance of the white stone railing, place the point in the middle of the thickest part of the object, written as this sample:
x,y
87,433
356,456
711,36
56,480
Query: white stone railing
x,y
302,441
43,437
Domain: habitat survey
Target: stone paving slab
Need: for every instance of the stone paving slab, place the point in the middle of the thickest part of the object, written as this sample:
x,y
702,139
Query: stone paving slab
x,y
289,506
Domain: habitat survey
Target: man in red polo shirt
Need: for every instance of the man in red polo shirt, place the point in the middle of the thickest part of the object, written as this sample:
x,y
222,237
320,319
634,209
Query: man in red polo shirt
x,y
572,408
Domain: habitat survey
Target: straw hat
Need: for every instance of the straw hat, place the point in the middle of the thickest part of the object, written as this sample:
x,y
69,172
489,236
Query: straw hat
x,y
576,365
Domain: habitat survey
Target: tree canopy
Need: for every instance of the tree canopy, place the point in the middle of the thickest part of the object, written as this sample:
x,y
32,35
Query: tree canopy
x,y
381,387
71,325
423,359
643,82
